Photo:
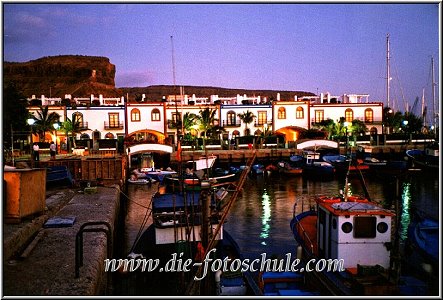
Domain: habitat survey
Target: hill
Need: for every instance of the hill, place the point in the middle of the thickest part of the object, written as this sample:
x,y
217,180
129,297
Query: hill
x,y
81,76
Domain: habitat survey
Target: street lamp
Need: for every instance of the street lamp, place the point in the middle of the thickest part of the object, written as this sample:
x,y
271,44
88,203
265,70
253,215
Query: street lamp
x,y
346,124
56,127
405,123
31,122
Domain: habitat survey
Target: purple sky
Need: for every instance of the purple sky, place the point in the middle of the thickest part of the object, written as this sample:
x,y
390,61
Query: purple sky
x,y
340,48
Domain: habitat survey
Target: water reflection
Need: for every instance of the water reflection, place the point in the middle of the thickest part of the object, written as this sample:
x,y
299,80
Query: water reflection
x,y
266,217
405,217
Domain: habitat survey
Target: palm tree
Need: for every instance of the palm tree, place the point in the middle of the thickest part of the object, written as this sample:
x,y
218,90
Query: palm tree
x,y
44,121
205,122
72,127
189,120
247,117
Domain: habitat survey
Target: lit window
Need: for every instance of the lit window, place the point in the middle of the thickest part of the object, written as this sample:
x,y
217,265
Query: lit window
x,y
155,115
369,115
135,115
281,113
349,115
299,113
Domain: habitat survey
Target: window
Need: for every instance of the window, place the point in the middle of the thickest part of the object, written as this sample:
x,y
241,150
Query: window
x,y
349,115
262,118
176,117
369,115
281,113
230,118
155,115
135,115
299,113
365,227
319,116
113,120
77,118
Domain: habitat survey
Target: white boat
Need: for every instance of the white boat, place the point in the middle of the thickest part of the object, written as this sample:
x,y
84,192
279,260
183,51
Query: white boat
x,y
141,181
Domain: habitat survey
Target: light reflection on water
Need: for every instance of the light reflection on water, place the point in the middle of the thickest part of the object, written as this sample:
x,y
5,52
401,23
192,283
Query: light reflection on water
x,y
266,217
405,217
259,219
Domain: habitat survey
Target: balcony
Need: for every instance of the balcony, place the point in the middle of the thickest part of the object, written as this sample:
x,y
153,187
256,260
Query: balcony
x,y
260,124
236,123
113,125
83,125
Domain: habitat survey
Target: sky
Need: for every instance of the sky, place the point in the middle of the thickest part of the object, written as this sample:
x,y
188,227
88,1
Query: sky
x,y
313,47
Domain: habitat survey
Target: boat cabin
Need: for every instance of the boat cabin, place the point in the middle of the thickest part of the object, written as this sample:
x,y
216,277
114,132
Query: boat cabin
x,y
357,231
179,216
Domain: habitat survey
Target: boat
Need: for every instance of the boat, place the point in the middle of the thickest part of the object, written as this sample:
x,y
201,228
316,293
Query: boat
x,y
285,283
141,181
58,175
313,166
289,169
258,169
427,159
382,168
421,247
158,175
357,234
346,165
188,225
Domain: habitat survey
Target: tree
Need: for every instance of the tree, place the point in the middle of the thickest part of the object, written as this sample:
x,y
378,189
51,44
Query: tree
x,y
247,117
15,113
189,120
44,121
358,127
72,127
392,121
206,121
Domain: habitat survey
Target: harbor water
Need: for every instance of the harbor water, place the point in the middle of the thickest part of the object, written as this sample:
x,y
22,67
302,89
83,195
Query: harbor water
x,y
259,219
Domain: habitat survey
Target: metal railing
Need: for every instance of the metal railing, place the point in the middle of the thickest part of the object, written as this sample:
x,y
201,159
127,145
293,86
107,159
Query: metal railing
x,y
79,242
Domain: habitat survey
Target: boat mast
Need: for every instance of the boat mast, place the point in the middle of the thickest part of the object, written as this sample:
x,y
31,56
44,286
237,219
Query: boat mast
x,y
423,108
177,121
388,76
433,96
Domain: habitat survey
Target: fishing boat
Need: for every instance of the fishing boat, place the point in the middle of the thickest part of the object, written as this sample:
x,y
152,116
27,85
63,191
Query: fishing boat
x,y
427,159
188,226
357,234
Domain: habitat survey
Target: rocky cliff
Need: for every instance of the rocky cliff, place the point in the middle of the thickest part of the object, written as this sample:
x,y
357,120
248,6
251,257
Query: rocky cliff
x,y
81,76
56,76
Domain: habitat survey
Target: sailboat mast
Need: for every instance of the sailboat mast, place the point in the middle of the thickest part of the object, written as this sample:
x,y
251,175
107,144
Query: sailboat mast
x,y
175,93
388,76
423,108
433,95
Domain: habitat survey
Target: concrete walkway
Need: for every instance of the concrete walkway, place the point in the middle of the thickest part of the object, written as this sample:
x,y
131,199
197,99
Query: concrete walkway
x,y
45,264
